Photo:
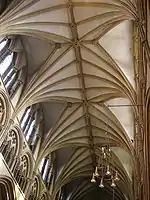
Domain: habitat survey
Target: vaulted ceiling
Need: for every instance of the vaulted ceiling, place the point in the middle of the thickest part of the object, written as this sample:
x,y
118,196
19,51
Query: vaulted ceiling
x,y
81,70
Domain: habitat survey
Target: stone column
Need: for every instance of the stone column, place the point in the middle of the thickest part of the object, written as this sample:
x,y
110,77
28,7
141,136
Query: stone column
x,y
3,146
11,160
15,164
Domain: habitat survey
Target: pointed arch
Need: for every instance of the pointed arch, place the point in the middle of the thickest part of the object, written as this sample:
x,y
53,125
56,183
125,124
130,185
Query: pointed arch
x,y
4,109
7,188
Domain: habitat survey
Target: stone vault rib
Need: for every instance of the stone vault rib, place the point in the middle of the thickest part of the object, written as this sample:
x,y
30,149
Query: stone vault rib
x,y
66,77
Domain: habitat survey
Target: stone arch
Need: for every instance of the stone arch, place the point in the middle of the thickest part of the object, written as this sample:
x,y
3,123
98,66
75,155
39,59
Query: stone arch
x,y
4,108
7,188
12,145
19,139
35,190
22,171
29,164
38,186
25,165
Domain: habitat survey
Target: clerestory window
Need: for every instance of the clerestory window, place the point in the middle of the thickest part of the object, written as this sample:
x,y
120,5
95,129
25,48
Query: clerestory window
x,y
45,169
8,72
30,124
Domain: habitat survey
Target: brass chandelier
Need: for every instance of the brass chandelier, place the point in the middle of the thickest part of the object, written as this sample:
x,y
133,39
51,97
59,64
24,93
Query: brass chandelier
x,y
103,171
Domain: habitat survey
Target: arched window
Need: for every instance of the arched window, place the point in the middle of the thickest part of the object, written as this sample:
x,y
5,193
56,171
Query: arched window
x,y
21,172
6,188
34,190
46,171
8,72
4,48
9,147
30,124
3,44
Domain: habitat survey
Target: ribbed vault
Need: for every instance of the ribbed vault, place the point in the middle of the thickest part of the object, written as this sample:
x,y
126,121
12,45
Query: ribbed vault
x,y
88,69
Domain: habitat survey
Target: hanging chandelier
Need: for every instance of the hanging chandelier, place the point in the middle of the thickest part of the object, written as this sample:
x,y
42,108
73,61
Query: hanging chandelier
x,y
103,172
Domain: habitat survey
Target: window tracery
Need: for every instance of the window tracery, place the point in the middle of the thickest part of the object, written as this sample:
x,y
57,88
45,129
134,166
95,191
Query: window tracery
x,y
30,124
34,190
9,147
45,169
4,49
2,44
18,165
21,172
8,70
